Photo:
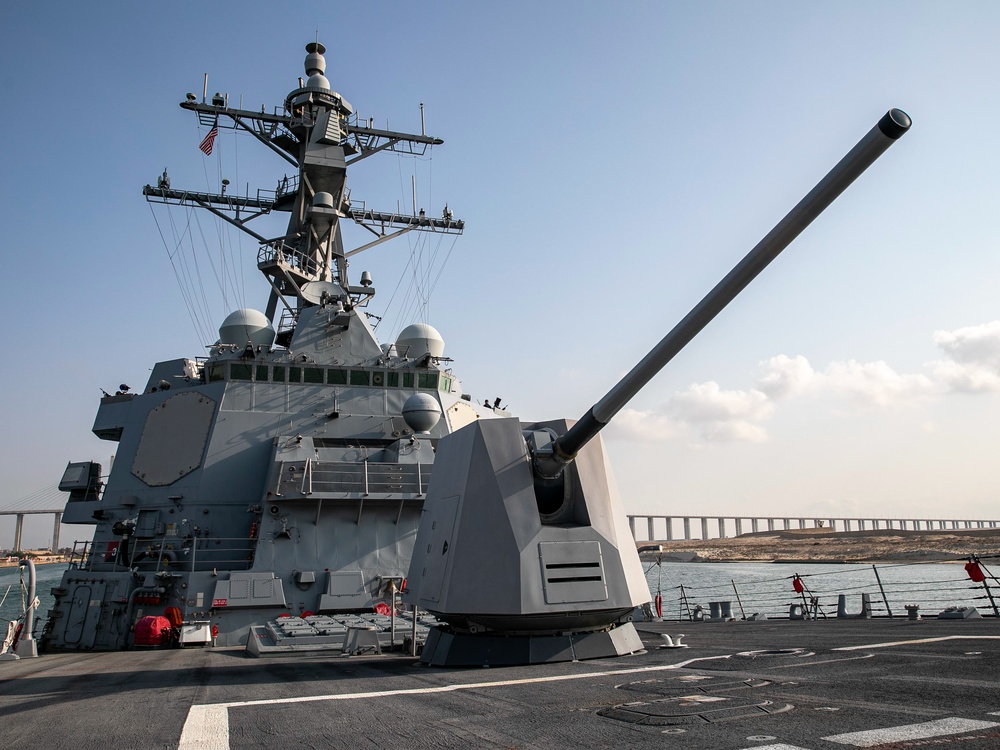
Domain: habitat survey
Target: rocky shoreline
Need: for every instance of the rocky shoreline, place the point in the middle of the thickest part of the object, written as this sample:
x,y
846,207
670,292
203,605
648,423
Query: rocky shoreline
x,y
826,546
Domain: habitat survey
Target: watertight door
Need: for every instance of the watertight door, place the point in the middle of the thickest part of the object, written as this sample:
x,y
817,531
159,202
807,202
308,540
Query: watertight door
x,y
83,614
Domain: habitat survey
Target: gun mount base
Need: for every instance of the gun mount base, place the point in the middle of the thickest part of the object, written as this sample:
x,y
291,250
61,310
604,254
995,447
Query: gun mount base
x,y
445,648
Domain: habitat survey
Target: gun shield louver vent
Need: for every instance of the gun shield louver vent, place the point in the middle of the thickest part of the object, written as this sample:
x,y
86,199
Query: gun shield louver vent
x,y
572,572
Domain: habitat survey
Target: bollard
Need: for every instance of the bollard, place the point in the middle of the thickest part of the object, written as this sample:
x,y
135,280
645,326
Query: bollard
x,y
864,614
720,611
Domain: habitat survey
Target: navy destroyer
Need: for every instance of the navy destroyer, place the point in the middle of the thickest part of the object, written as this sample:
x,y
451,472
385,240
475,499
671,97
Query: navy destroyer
x,y
304,470
291,471
285,472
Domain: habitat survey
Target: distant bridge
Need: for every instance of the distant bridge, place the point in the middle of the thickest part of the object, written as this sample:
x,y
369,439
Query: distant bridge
x,y
644,528
666,528
50,500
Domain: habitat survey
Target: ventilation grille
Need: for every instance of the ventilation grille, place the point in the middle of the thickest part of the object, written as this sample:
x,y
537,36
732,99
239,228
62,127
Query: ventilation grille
x,y
572,572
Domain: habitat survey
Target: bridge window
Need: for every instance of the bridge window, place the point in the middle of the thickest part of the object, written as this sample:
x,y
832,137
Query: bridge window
x,y
428,380
314,374
407,379
239,371
262,373
336,376
392,379
378,378
359,377
216,372
278,374
446,384
294,374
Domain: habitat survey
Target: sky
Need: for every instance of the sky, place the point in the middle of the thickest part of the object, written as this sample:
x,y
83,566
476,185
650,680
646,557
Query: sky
x,y
612,162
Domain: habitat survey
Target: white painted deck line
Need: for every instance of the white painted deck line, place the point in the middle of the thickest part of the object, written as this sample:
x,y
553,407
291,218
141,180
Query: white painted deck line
x,y
889,644
779,746
922,731
207,725
206,728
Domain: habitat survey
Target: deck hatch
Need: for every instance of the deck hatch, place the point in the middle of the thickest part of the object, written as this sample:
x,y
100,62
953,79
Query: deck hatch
x,y
250,590
345,590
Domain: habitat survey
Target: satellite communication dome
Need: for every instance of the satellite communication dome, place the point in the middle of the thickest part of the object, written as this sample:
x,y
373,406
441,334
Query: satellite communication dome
x,y
419,339
245,326
318,81
421,412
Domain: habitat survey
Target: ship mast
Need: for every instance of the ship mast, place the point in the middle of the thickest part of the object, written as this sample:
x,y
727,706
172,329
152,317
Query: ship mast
x,y
319,134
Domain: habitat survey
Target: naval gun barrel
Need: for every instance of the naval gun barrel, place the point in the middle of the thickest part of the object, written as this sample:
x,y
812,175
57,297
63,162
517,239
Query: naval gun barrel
x,y
888,129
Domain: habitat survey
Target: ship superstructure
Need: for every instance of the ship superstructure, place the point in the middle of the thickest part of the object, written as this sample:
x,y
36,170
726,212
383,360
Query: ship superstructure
x,y
287,473
284,473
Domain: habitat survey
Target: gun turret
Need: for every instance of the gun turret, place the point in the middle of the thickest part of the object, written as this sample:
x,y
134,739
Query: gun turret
x,y
523,551
549,459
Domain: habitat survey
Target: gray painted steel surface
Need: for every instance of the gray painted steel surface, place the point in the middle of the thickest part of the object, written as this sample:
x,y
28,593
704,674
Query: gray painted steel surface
x,y
286,472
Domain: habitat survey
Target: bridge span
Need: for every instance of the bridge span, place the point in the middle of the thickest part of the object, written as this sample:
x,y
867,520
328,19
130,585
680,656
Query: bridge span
x,y
669,528
47,501
51,501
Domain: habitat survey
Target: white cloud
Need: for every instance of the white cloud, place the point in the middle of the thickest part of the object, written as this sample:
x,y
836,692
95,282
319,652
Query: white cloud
x,y
707,402
965,378
783,376
705,412
875,383
715,415
975,345
648,427
973,364
702,412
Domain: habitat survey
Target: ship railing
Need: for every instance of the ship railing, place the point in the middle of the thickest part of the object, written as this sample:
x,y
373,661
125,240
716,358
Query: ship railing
x,y
79,556
262,201
850,591
379,221
288,320
213,553
288,257
287,188
166,554
353,479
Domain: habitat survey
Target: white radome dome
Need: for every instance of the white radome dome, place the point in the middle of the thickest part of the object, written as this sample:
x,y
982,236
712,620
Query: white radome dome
x,y
318,81
419,339
421,412
246,326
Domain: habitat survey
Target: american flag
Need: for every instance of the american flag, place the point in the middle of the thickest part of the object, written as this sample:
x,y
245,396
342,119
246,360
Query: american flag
x,y
209,141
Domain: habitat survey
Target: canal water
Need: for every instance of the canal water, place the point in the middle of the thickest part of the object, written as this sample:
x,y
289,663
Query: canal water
x,y
765,588
46,576
768,588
